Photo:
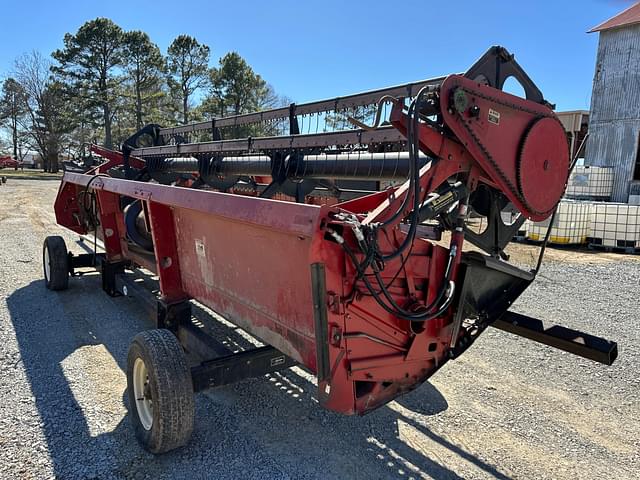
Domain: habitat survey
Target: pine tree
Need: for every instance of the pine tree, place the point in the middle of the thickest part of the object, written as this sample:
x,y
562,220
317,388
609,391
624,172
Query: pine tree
x,y
89,64
187,65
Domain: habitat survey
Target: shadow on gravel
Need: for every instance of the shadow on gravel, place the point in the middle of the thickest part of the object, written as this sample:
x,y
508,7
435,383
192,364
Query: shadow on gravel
x,y
50,327
270,427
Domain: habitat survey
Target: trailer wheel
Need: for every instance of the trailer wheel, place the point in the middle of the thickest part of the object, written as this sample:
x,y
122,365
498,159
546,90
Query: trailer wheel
x,y
160,391
55,261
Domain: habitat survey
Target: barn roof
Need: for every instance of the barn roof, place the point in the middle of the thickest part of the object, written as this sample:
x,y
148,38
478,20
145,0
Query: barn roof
x,y
630,16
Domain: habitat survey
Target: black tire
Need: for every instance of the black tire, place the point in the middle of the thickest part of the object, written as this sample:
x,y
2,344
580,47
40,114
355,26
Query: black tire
x,y
168,386
131,213
57,277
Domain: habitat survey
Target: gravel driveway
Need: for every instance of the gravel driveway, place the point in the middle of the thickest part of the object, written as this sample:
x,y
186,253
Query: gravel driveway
x,y
508,408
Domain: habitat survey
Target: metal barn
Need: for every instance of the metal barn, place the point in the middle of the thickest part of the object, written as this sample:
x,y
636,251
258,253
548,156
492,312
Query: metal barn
x,y
614,124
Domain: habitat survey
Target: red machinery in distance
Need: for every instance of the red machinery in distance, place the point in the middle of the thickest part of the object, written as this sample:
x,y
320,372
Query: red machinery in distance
x,y
355,287
9,162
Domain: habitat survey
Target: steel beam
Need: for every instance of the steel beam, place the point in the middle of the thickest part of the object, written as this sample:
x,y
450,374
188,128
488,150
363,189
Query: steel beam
x,y
573,341
238,366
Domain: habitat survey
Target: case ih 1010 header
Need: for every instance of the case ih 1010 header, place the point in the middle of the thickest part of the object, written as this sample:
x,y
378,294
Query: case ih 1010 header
x,y
280,222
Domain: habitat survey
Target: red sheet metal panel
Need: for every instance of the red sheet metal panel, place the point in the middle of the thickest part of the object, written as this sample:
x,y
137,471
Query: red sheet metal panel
x,y
257,275
258,211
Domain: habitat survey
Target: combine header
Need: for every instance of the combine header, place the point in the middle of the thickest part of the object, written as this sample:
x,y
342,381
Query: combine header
x,y
333,231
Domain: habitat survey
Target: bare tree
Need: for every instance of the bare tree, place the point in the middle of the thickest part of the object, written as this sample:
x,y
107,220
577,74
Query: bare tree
x,y
12,111
45,121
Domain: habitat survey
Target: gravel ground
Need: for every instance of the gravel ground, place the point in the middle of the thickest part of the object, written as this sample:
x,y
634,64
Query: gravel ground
x,y
508,408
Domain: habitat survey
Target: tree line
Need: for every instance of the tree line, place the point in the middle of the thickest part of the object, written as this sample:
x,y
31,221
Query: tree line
x,y
106,83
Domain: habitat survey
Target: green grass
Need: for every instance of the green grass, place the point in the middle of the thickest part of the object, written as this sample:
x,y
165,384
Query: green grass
x,y
27,173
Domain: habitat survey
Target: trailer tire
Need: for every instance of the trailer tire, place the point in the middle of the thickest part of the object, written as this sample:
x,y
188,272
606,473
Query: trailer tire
x,y
160,391
55,263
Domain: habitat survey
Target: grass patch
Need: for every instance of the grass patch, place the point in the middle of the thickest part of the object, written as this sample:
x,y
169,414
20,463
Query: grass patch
x,y
28,174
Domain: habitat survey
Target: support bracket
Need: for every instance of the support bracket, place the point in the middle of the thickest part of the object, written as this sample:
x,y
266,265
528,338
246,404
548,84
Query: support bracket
x,y
109,271
579,343
172,315
239,366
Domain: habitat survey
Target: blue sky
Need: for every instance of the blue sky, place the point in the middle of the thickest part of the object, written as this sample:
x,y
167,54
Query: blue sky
x,y
316,49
